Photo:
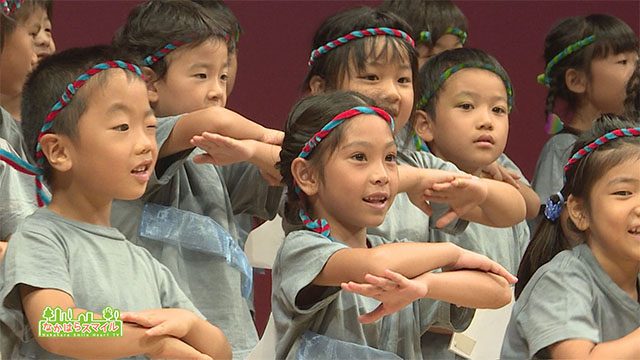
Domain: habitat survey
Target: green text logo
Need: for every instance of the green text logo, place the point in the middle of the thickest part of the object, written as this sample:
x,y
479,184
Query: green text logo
x,y
59,323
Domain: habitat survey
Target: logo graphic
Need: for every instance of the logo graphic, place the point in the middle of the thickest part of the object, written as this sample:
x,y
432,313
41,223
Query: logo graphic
x,y
59,323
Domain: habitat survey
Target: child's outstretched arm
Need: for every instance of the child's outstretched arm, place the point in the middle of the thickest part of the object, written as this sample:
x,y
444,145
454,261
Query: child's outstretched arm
x,y
498,172
484,201
624,348
217,120
222,150
134,341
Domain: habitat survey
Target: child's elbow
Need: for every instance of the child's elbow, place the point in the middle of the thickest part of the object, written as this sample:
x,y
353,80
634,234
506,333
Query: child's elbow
x,y
502,295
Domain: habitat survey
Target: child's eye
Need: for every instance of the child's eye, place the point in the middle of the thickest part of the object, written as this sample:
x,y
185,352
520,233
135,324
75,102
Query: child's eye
x,y
622,193
499,110
121,127
623,62
466,106
224,77
404,80
359,157
201,76
391,158
370,77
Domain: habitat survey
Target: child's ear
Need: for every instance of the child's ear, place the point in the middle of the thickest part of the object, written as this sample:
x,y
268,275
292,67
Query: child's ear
x,y
424,125
56,148
305,176
578,213
317,85
150,79
576,81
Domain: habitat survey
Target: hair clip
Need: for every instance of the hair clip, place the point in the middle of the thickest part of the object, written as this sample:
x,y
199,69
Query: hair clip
x,y
552,208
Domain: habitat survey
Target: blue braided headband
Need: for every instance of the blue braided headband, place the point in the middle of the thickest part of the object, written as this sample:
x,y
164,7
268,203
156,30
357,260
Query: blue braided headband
x,y
321,226
452,70
358,34
545,78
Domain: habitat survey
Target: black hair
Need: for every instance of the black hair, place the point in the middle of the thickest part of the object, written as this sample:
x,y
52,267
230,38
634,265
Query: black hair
x,y
428,15
153,24
46,84
8,23
632,102
612,36
549,238
432,70
306,118
219,10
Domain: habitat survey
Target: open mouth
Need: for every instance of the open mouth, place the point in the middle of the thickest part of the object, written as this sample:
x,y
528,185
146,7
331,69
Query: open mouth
x,y
142,168
635,231
376,199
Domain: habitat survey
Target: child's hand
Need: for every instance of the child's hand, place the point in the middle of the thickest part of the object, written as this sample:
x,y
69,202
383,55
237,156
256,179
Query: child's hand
x,y
461,194
498,172
394,291
173,322
272,136
473,261
171,348
221,150
428,178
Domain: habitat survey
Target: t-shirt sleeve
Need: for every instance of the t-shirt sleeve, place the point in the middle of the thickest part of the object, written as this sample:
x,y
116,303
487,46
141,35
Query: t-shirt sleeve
x,y
426,160
549,175
558,308
17,196
302,257
33,258
508,164
249,192
167,167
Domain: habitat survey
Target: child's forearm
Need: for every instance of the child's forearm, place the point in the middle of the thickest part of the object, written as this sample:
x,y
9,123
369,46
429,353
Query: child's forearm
x,y
531,200
217,120
468,288
626,347
408,259
265,157
503,207
209,340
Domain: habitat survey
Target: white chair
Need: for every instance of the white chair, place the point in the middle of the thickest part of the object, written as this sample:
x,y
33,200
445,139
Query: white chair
x,y
266,348
483,338
263,243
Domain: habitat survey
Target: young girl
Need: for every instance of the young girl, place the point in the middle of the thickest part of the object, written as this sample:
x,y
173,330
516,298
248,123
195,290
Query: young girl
x,y
589,61
582,302
376,57
438,25
326,137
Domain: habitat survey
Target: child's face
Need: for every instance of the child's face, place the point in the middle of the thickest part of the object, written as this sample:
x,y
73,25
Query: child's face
x,y
17,59
613,220
115,150
196,78
471,122
39,27
606,88
360,176
387,81
445,42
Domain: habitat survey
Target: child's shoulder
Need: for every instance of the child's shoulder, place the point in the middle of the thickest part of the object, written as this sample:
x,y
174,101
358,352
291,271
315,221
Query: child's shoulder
x,y
424,160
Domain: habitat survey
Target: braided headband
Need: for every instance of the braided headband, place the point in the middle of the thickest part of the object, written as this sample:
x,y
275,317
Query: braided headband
x,y
321,226
358,34
425,36
64,100
156,56
591,147
452,70
545,78
10,6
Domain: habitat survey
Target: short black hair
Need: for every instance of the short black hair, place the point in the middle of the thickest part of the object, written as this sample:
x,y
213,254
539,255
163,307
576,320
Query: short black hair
x,y
48,82
218,9
153,24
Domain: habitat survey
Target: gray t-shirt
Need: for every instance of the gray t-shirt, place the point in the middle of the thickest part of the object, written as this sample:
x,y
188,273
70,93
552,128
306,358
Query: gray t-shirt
x,y
94,264
334,313
218,192
548,177
17,195
571,297
11,131
406,221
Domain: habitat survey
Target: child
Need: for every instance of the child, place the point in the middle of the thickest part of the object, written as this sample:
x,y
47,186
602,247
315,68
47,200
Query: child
x,y
326,137
589,62
438,25
381,63
582,302
95,144
190,78
466,98
632,102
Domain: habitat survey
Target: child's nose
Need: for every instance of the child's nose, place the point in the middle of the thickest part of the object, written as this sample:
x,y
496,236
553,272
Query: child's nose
x,y
217,93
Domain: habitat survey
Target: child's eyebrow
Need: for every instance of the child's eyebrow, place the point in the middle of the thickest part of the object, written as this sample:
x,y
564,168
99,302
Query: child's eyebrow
x,y
623,180
207,65
365,143
475,94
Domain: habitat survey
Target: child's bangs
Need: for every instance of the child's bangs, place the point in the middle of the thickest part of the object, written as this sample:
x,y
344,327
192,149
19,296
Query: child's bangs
x,y
378,50
614,38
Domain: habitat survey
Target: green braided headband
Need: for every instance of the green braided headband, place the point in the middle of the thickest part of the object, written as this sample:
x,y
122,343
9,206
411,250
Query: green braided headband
x,y
545,78
425,36
452,70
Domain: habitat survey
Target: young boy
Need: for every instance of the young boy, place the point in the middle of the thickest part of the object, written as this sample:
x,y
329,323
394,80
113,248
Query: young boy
x,y
189,77
101,146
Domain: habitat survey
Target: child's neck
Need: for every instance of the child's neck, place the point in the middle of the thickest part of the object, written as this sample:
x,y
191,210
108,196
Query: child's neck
x,y
80,208
584,116
11,104
623,272
352,238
